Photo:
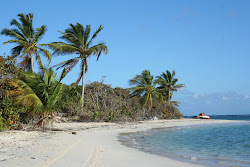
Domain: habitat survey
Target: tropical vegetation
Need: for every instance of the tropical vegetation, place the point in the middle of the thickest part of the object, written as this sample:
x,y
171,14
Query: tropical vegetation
x,y
167,85
79,42
26,39
39,93
30,100
145,87
9,114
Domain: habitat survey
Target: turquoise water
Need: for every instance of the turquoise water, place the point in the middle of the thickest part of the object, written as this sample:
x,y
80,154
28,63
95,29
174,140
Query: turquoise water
x,y
212,145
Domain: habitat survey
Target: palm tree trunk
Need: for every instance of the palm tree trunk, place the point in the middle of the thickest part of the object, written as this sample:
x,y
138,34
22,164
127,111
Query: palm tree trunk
x,y
83,78
169,96
32,62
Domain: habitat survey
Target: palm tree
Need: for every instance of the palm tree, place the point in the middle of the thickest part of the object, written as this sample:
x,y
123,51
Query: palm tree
x,y
39,92
26,40
145,87
168,84
78,42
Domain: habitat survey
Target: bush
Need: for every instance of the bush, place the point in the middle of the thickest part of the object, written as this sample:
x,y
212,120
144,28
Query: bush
x,y
104,103
9,115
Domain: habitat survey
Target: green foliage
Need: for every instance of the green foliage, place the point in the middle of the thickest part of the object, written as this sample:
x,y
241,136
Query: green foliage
x,y
145,87
9,115
39,95
78,42
70,102
104,103
26,39
168,84
39,92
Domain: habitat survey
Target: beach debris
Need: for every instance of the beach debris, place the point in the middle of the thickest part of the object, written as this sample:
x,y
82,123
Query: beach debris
x,y
202,116
154,118
74,133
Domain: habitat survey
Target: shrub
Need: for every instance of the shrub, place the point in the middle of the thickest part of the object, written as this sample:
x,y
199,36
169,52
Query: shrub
x,y
9,115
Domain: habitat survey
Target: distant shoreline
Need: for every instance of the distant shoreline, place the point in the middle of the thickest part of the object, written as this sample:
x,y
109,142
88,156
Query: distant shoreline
x,y
95,144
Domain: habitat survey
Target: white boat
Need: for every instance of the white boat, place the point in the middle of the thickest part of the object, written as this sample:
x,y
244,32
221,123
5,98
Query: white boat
x,y
202,116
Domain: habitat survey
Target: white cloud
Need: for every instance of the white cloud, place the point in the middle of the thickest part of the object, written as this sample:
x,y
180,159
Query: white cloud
x,y
209,102
195,96
214,103
225,98
247,97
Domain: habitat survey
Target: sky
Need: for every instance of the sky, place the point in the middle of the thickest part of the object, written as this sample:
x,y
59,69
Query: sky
x,y
207,43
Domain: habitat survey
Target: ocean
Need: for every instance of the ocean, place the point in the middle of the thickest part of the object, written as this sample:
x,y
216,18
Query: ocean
x,y
209,145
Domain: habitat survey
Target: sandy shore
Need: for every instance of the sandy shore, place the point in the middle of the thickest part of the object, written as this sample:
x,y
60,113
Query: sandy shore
x,y
94,145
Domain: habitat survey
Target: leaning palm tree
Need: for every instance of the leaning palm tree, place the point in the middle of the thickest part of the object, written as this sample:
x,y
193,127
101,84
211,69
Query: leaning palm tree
x,y
78,42
38,92
145,87
26,39
168,84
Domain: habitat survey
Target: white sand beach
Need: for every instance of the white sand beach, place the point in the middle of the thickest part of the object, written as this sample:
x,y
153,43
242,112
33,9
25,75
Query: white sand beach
x,y
94,145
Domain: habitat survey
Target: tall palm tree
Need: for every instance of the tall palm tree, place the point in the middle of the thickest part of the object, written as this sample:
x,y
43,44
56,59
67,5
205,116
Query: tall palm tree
x,y
39,92
78,42
168,84
145,86
26,39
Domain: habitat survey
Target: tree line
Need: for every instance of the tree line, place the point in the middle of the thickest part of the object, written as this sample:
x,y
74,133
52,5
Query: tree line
x,y
33,98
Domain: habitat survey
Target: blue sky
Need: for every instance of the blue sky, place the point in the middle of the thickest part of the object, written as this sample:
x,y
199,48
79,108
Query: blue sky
x,y
207,43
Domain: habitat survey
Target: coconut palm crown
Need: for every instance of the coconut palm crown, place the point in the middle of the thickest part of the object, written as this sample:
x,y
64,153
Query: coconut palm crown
x,y
168,84
39,92
26,39
79,42
145,86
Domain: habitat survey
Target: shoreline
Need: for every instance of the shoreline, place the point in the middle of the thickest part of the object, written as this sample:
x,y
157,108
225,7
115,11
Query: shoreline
x,y
95,144
130,140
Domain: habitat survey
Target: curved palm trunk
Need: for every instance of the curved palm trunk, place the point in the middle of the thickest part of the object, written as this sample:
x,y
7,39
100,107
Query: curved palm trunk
x,y
83,78
32,62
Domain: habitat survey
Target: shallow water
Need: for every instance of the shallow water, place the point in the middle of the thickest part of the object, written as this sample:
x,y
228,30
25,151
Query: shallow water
x,y
212,145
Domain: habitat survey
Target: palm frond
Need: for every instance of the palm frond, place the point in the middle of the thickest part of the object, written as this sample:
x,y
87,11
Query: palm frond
x,y
16,51
25,38
17,24
12,33
95,35
71,38
86,34
144,100
175,103
78,80
46,53
39,33
167,84
40,62
98,49
66,63
63,74
18,42
25,96
72,65
27,21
